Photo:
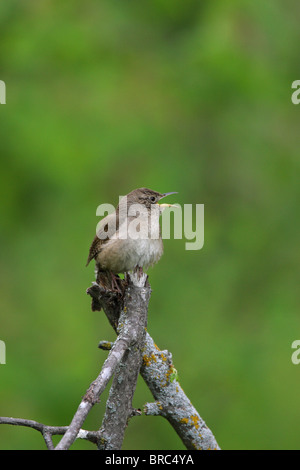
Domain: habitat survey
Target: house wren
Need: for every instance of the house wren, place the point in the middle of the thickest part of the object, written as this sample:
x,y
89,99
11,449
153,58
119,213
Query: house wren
x,y
129,238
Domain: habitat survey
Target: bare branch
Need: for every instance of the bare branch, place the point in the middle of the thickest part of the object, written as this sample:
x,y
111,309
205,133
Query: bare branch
x,y
94,391
130,324
49,431
119,402
171,402
128,316
161,377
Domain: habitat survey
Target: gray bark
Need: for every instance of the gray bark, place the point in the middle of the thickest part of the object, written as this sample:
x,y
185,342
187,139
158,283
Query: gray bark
x,y
119,403
161,377
133,351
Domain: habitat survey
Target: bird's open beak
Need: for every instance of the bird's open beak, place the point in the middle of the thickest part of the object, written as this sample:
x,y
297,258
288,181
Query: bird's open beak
x,y
167,194
163,206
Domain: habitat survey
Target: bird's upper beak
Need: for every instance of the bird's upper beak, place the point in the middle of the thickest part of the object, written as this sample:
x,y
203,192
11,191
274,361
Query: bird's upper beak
x,y
168,194
163,206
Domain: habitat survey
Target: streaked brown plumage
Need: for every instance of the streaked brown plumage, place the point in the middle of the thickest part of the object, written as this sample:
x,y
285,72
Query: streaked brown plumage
x,y
114,254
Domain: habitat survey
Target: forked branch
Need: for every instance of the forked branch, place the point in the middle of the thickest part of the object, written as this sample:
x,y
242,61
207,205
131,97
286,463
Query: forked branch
x,y
132,352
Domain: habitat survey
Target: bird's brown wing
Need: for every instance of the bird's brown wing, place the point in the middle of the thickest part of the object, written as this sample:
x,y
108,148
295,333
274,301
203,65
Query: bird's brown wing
x,y
105,229
95,248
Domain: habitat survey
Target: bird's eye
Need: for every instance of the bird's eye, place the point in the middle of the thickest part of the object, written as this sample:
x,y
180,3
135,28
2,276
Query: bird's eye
x,y
152,198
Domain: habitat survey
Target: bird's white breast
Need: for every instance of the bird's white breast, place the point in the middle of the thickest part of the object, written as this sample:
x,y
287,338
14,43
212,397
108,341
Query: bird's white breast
x,y
121,256
129,248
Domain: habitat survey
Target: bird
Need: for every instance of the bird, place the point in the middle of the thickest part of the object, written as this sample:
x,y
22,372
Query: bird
x,y
129,239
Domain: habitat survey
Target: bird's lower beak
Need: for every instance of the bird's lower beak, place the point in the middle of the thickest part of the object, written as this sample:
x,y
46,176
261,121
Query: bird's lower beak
x,y
163,206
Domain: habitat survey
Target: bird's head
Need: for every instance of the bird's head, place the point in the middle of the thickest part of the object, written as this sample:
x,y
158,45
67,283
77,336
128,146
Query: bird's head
x,y
148,198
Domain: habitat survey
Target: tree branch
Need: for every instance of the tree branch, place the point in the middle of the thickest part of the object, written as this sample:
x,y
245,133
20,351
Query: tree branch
x,y
171,402
119,402
161,377
49,431
130,326
94,391
128,316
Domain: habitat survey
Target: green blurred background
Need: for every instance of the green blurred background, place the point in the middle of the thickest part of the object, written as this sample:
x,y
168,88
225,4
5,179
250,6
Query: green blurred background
x,y
105,96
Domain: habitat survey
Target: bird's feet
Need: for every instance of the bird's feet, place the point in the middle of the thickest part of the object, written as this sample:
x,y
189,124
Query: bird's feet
x,y
139,271
137,277
114,283
109,281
